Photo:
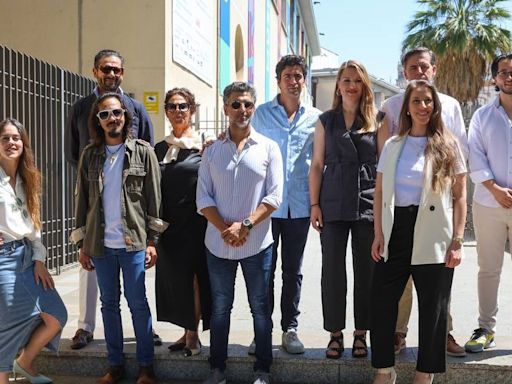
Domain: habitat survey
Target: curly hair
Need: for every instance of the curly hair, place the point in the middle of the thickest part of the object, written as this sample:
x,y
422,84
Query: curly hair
x,y
95,131
291,61
186,94
30,175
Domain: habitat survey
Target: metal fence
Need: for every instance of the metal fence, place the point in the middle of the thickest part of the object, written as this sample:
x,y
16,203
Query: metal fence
x,y
39,95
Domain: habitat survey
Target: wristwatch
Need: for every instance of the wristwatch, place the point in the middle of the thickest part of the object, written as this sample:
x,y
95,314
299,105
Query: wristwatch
x,y
459,239
247,223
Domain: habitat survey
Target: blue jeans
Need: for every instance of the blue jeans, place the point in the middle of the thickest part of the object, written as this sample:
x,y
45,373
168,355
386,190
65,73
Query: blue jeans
x,y
256,270
134,273
293,234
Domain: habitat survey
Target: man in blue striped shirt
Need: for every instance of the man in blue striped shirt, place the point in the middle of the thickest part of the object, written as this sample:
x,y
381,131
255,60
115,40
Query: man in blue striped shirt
x,y
240,184
291,124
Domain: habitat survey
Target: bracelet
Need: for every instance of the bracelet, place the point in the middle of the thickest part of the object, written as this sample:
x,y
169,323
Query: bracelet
x,y
459,240
313,205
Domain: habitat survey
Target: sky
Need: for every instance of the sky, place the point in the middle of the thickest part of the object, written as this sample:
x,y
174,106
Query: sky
x,y
370,31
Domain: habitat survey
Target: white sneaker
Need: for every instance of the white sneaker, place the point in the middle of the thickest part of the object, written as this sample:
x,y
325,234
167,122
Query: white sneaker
x,y
291,342
261,377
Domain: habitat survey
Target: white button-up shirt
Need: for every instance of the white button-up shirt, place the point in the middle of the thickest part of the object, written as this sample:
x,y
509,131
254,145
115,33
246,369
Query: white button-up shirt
x,y
450,113
490,151
236,183
15,220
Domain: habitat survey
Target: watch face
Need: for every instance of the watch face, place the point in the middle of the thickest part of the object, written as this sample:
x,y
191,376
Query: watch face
x,y
247,223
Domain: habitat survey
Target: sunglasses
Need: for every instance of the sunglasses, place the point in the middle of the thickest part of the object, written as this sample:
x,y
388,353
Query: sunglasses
x,y
107,69
106,113
183,107
247,104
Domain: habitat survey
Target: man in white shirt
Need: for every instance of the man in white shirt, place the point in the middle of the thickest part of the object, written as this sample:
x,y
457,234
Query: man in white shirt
x,y
419,64
240,184
490,163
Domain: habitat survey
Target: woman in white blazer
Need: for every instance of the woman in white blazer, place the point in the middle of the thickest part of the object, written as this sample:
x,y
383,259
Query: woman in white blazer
x,y
420,212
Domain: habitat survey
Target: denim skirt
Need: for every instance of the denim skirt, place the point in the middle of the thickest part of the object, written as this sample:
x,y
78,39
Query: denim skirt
x,y
22,301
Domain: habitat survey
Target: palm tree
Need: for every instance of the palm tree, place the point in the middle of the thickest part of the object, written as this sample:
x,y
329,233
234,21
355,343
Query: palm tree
x,y
465,35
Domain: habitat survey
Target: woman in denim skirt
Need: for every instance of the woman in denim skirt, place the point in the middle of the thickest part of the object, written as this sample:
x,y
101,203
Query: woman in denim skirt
x,y
32,314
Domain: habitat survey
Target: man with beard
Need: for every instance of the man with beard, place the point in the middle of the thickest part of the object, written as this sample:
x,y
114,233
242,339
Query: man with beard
x,y
291,124
490,163
239,186
108,71
420,64
117,201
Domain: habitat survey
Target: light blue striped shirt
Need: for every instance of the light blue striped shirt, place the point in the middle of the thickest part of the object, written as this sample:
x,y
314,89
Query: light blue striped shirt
x,y
295,140
237,183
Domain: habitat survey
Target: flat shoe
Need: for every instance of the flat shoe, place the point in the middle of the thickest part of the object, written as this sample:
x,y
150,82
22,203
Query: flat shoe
x,y
187,352
176,347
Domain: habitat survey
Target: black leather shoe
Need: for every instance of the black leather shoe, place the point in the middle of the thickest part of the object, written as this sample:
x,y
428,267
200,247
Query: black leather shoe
x,y
157,340
81,339
113,375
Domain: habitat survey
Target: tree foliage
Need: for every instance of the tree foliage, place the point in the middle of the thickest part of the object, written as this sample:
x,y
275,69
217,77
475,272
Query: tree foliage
x,y
465,35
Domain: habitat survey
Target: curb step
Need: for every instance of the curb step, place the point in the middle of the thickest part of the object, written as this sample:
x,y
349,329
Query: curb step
x,y
311,367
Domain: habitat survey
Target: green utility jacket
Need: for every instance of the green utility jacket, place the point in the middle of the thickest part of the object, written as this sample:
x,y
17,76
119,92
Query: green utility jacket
x,y
140,198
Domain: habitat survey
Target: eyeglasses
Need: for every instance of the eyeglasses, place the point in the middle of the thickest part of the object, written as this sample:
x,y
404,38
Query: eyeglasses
x,y
504,74
106,113
247,104
107,69
172,107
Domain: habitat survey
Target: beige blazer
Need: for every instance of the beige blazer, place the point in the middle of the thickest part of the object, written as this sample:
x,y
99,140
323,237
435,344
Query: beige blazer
x,y
433,230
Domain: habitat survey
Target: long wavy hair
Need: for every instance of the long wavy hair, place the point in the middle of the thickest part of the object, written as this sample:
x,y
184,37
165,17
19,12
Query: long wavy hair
x,y
441,145
30,175
367,111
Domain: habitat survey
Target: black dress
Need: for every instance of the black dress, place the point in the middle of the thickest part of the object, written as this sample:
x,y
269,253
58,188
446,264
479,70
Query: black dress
x,y
181,249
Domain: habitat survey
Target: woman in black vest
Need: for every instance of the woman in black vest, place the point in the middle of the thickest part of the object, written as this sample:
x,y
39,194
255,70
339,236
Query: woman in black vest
x,y
341,184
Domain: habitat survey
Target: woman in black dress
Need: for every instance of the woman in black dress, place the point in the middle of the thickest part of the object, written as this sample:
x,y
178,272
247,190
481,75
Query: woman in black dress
x,y
182,285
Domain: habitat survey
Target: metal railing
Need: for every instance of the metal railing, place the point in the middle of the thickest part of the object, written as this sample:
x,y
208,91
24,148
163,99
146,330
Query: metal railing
x,y
39,95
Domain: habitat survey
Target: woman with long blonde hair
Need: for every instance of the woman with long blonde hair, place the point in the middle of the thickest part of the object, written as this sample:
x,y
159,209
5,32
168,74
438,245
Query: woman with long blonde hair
x,y
32,313
341,183
420,211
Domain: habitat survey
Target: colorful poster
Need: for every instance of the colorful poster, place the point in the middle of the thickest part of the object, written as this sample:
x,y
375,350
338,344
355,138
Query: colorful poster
x,y
267,49
224,64
250,43
192,47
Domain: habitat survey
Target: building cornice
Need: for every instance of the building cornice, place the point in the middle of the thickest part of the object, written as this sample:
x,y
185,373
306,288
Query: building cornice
x,y
308,18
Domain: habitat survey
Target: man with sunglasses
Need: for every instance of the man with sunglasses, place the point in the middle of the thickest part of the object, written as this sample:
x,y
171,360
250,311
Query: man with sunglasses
x,y
239,185
490,162
108,71
291,124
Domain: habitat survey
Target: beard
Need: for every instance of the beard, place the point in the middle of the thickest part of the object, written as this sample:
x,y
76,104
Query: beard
x,y
114,134
110,86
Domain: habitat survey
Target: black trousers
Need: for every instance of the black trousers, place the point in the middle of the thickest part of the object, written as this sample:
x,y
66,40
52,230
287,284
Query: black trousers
x,y
433,285
334,238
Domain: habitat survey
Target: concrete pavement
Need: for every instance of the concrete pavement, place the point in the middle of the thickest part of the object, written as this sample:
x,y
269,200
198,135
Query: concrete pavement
x,y
464,312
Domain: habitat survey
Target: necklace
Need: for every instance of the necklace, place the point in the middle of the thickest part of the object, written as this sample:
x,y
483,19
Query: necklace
x,y
19,205
113,154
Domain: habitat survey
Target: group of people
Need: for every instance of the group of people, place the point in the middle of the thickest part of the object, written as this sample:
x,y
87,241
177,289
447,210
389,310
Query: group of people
x,y
197,207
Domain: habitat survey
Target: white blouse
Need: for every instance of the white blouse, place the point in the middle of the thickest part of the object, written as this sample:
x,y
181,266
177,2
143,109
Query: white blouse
x,y
15,220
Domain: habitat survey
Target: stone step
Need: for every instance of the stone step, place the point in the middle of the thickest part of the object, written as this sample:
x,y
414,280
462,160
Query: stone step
x,y
492,366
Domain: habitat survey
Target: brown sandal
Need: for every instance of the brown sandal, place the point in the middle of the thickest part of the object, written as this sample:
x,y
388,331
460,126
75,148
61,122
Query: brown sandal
x,y
335,351
359,351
